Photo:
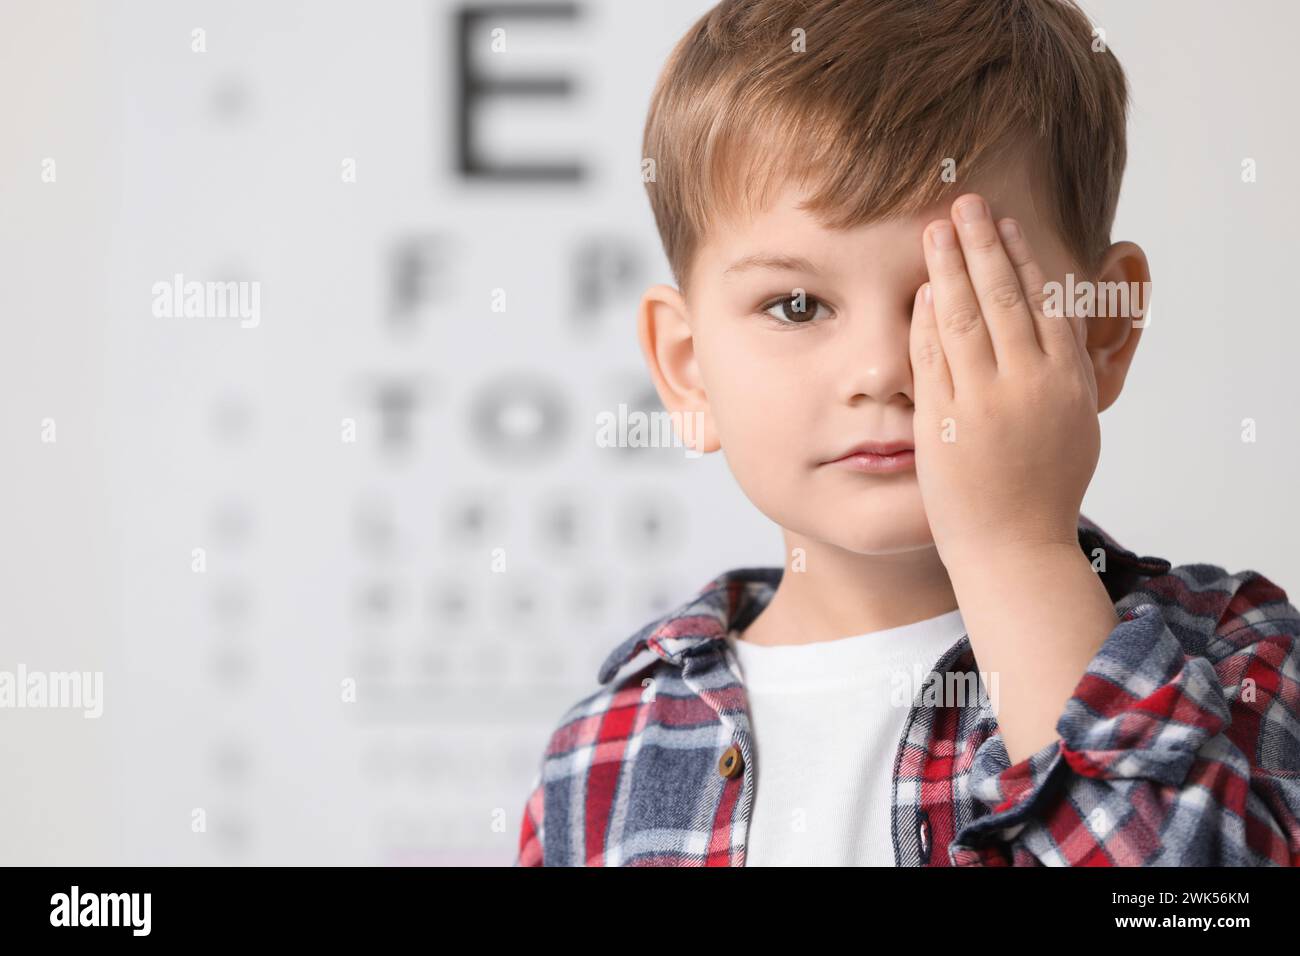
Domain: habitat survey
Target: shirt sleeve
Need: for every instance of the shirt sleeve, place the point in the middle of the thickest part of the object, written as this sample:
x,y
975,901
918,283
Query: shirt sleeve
x,y
531,848
1168,754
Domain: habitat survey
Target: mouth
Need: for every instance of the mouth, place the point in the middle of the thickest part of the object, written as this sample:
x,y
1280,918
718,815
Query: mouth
x,y
877,458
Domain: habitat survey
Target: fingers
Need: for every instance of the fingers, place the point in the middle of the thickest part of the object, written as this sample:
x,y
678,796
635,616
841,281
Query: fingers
x,y
997,282
1054,333
930,375
962,332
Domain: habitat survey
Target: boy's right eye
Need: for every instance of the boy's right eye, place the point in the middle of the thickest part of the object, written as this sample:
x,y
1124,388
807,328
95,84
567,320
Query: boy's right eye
x,y
795,309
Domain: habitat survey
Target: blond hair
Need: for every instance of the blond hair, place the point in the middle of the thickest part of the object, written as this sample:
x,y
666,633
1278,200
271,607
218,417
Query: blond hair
x,y
886,94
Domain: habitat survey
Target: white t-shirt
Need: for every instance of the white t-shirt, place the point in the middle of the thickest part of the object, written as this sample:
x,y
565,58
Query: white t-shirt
x,y
826,720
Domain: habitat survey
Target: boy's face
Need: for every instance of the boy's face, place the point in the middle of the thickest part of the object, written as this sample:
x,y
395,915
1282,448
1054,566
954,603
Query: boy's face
x,y
785,392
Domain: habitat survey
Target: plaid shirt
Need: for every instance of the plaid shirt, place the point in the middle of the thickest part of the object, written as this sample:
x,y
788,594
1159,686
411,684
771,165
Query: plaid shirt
x,y
1180,745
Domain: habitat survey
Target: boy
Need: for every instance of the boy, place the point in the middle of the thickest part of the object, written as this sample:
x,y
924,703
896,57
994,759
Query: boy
x,y
866,206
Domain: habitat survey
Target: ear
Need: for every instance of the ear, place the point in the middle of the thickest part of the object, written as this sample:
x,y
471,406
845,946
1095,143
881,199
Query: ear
x,y
668,343
1113,338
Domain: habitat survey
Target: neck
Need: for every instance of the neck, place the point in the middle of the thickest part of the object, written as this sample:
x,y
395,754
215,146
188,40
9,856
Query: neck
x,y
841,594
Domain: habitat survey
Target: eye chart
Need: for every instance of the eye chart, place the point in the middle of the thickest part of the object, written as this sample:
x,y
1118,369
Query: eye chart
x,y
369,285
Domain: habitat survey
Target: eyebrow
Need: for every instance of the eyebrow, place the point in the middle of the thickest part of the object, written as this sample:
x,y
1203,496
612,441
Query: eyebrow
x,y
771,261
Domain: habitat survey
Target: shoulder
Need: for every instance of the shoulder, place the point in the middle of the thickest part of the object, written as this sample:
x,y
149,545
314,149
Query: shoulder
x,y
583,722
1204,657
627,765
1216,612
591,755
1212,611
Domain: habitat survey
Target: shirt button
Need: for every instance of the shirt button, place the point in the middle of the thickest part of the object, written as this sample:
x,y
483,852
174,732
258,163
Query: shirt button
x,y
731,762
925,837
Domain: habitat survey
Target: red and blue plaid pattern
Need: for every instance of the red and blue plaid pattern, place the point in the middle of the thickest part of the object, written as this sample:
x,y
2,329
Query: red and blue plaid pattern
x,y
1179,747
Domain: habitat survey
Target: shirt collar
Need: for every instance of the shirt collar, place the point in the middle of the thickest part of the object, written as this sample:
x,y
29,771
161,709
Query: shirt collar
x,y
734,598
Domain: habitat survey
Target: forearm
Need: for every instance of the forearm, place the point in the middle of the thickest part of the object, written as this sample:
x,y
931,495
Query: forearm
x,y
1035,618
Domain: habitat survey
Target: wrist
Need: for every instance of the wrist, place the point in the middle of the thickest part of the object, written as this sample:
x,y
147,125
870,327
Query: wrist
x,y
1030,579
1007,558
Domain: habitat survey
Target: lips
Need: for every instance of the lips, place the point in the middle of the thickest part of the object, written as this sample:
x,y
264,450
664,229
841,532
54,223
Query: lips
x,y
883,449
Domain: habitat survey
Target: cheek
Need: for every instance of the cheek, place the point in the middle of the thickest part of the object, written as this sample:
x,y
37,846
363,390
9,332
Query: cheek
x,y
766,391
748,414
755,400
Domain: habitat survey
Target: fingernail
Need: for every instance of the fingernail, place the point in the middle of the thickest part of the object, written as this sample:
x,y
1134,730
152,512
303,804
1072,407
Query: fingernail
x,y
926,294
943,236
973,210
1010,231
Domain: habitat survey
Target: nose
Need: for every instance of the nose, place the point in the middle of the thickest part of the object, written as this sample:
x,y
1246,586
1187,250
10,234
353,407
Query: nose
x,y
874,358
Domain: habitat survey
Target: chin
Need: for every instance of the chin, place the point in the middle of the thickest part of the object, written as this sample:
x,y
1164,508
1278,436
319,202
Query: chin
x,y
883,533
883,521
